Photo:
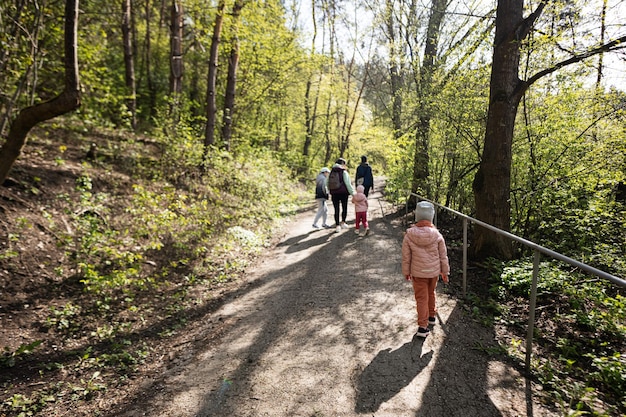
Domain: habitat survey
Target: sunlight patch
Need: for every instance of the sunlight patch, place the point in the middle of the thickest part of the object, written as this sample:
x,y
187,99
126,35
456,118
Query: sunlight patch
x,y
245,237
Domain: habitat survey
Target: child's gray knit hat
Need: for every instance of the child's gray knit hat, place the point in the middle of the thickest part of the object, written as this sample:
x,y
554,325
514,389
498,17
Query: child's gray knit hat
x,y
424,211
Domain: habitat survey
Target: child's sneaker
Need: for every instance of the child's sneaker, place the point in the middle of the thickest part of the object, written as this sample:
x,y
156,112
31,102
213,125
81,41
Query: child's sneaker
x,y
367,231
432,320
315,226
326,226
422,332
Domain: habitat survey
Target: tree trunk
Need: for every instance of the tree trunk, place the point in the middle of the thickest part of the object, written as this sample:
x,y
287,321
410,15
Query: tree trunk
x,y
231,79
421,158
394,71
492,183
310,111
602,35
67,101
176,49
152,95
129,60
211,106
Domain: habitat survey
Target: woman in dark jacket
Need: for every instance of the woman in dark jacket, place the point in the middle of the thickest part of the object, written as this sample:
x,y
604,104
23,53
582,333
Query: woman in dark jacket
x,y
364,175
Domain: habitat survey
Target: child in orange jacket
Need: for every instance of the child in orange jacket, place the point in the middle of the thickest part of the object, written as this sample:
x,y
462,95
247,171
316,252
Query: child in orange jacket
x,y
424,259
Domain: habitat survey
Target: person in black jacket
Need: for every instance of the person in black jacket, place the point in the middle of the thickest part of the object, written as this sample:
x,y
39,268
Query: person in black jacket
x,y
364,175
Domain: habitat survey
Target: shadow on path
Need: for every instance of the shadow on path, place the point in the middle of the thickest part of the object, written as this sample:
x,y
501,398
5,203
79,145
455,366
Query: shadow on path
x,y
388,373
325,305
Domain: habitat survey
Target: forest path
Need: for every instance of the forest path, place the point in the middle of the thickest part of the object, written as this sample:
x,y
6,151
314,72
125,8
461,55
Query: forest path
x,y
326,328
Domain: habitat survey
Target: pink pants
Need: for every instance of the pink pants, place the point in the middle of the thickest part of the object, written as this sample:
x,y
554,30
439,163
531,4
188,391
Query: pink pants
x,y
361,216
424,289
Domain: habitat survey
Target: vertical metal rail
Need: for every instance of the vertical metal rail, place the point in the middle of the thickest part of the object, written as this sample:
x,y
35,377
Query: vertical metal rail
x,y
532,307
464,257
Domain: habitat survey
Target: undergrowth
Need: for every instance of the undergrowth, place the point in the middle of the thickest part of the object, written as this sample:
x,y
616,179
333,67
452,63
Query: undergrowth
x,y
579,333
143,250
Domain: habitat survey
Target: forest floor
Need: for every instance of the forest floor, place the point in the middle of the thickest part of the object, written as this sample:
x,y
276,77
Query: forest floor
x,y
322,324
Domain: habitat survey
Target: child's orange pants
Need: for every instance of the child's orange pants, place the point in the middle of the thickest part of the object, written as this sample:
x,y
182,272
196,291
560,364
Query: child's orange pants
x,y
424,289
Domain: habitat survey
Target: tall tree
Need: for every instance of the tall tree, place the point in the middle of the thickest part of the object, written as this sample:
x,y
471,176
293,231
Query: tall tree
x,y
150,85
492,182
67,101
211,106
231,79
425,91
129,60
394,68
310,109
176,48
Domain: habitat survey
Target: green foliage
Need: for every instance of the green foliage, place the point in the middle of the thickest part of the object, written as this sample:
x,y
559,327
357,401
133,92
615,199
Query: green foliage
x,y
580,325
516,279
8,359
568,162
64,321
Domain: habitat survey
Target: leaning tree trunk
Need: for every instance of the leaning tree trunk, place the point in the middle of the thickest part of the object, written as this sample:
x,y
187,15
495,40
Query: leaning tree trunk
x,y
67,101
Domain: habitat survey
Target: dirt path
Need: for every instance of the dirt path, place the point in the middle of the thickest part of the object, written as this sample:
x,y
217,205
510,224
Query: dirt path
x,y
326,329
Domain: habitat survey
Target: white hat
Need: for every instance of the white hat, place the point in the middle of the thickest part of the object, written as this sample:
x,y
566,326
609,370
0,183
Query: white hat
x,y
424,211
324,170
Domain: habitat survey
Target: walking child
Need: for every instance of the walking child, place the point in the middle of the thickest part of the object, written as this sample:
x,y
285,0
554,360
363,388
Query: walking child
x,y
424,259
359,199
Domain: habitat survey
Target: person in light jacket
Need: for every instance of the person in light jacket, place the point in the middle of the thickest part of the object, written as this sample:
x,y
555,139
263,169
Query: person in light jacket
x,y
321,196
360,208
424,259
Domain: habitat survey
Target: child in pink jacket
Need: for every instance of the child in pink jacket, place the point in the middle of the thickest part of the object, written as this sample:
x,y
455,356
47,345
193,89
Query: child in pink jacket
x,y
360,206
424,258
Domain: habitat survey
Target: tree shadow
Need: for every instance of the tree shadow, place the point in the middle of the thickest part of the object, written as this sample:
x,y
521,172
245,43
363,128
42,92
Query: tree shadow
x,y
388,373
459,384
304,242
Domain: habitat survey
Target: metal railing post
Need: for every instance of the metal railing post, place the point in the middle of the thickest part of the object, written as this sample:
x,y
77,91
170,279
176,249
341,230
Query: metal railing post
x,y
532,307
464,256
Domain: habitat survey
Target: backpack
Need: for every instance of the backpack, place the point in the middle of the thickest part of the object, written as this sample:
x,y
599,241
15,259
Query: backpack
x,y
334,180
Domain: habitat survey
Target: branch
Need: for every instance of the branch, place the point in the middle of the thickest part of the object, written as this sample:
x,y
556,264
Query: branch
x,y
611,46
528,23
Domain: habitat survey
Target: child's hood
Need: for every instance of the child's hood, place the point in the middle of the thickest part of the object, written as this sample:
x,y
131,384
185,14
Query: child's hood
x,y
422,236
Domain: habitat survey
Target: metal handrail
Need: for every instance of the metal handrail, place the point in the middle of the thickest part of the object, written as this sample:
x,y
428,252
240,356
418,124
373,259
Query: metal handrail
x,y
537,249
